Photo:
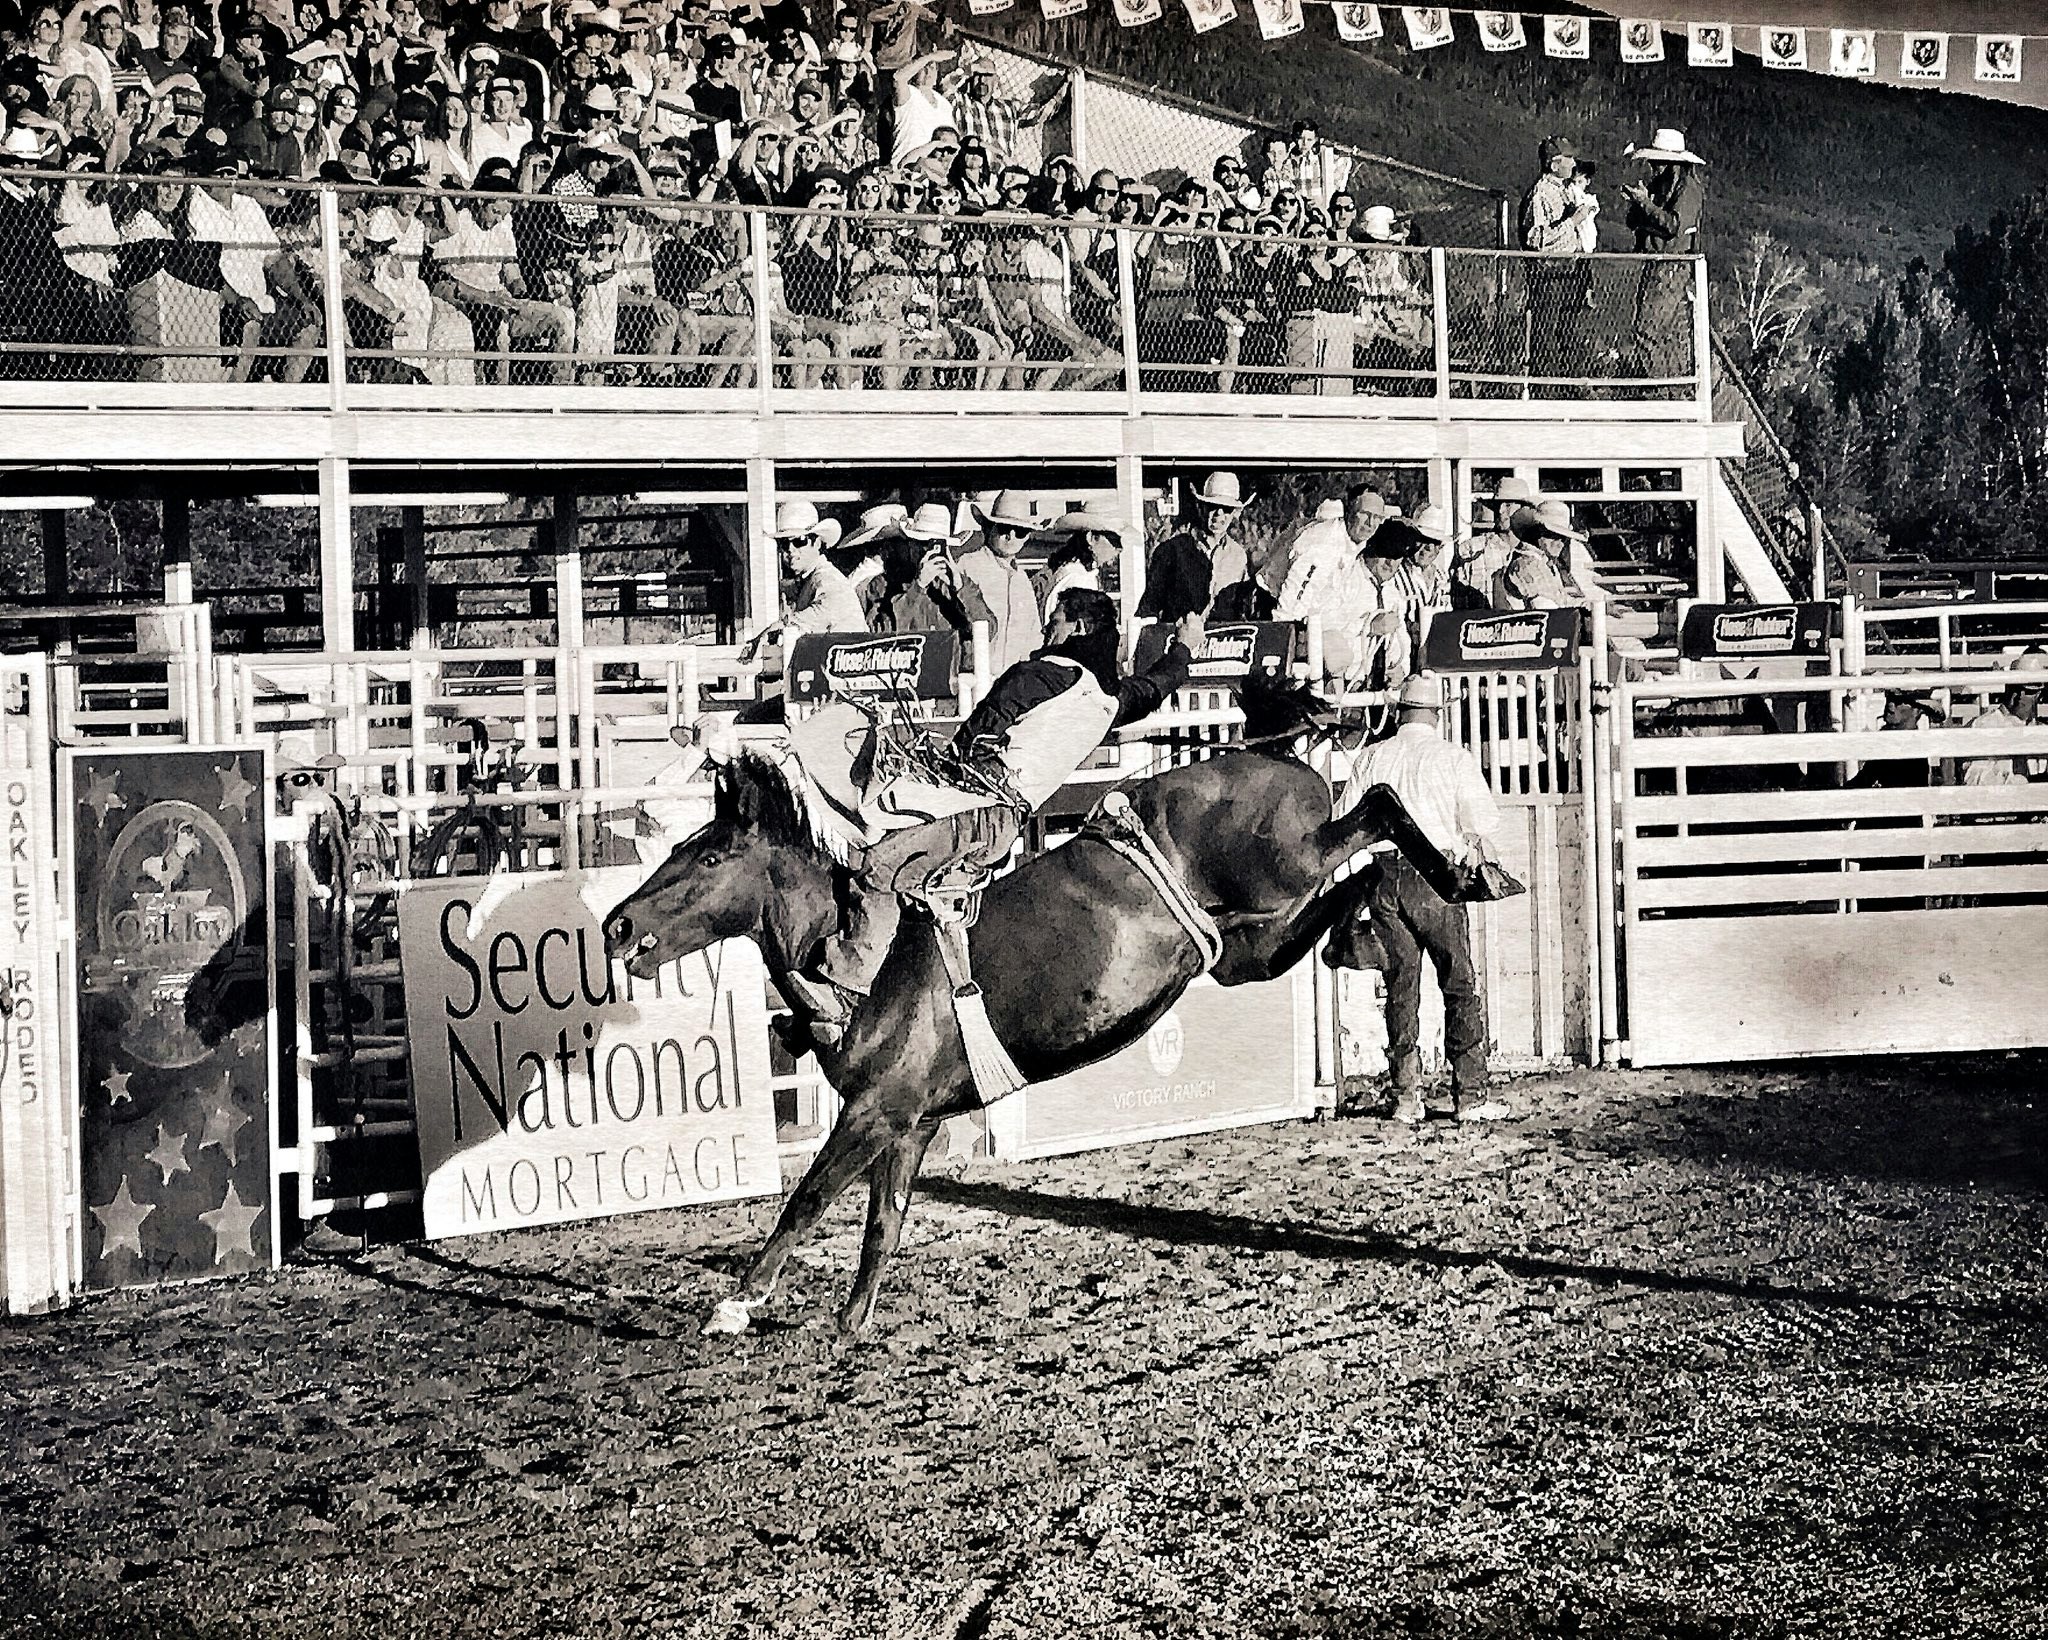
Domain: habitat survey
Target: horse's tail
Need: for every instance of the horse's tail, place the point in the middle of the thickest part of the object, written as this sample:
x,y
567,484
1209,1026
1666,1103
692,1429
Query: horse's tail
x,y
1276,710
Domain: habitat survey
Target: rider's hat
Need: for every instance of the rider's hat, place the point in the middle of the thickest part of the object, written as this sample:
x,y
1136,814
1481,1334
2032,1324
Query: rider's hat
x,y
1221,490
875,522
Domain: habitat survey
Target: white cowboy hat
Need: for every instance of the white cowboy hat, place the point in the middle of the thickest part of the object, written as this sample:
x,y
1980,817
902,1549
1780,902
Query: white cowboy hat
x,y
875,522
1377,222
1007,507
794,518
1432,524
1099,517
1667,147
1548,518
1422,690
1221,490
931,522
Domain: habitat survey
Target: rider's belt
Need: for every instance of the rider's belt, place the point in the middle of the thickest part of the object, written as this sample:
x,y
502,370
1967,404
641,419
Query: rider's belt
x,y
1118,825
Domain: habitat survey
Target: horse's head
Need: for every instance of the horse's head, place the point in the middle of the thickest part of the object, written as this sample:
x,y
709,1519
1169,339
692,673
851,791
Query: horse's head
x,y
726,880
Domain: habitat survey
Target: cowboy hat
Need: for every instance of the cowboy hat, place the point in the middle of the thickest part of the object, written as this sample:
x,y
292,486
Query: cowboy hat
x,y
1423,691
1007,509
1097,517
794,518
1377,222
1546,519
1433,524
876,522
1667,147
1220,489
1512,489
932,522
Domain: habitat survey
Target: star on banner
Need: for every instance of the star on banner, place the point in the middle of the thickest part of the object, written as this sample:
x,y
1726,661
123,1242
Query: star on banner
x,y
116,1084
121,1222
230,1223
169,1154
223,1125
235,790
100,795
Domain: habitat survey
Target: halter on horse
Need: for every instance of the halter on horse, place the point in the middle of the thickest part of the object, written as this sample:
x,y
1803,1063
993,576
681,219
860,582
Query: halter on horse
x,y
1075,951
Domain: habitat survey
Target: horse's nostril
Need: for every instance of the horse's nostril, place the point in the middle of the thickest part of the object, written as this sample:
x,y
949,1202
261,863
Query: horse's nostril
x,y
619,931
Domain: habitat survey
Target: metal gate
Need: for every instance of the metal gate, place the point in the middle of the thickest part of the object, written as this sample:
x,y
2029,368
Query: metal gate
x,y
1828,890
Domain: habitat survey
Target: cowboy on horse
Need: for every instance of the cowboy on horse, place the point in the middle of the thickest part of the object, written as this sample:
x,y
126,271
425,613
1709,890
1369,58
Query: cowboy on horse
x,y
1042,719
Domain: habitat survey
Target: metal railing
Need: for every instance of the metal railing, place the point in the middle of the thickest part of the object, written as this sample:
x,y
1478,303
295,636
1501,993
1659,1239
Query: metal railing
x,y
307,296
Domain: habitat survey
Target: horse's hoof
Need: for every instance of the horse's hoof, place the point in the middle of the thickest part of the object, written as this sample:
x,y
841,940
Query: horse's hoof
x,y
730,1315
853,1321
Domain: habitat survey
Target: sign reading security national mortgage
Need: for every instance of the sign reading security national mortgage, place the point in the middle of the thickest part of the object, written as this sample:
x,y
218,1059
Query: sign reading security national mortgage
x,y
551,1085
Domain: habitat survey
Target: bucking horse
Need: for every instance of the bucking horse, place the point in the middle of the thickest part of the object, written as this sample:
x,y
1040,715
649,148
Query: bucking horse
x,y
1076,951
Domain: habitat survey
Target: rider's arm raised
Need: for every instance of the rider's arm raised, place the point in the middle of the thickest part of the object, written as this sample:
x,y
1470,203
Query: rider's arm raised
x,y
1143,693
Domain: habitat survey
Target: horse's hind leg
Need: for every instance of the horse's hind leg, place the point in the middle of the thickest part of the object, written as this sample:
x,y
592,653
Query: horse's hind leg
x,y
860,1133
889,1180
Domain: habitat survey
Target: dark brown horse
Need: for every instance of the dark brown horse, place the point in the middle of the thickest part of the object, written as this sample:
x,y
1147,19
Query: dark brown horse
x,y
1076,952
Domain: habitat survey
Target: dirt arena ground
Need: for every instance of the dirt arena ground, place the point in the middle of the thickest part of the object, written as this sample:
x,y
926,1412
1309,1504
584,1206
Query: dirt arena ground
x,y
1695,1354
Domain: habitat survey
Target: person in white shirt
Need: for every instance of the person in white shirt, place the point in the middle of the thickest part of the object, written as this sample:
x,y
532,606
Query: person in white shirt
x,y
2020,708
1444,792
921,105
502,134
479,268
1321,561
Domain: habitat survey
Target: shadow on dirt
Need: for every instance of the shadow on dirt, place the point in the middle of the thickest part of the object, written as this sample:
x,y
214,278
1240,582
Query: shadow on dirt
x,y
494,1288
1198,1227
1969,1121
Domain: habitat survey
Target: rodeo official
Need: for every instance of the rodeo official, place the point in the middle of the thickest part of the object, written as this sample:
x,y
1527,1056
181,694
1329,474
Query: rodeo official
x,y
1443,788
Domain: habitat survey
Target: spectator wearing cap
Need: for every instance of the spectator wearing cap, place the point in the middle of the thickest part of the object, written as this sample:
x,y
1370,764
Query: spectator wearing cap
x,y
1007,525
479,267
723,92
186,109
502,133
228,217
1424,575
1323,567
1905,711
177,50
2018,708
1394,317
889,40
1488,548
267,142
1550,216
1190,566
1540,573
922,105
997,120
816,597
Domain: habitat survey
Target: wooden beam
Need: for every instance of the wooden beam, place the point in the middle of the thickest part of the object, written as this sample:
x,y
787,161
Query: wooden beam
x,y
337,557
562,541
177,529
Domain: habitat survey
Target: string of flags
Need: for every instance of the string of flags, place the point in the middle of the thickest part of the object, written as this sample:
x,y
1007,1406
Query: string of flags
x,y
1851,52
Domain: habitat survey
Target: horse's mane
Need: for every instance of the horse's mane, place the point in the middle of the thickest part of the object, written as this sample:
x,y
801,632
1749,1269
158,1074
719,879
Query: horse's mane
x,y
1274,707
762,792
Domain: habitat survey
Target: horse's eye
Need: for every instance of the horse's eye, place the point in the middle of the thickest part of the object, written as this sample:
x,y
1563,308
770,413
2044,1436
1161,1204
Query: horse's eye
x,y
709,858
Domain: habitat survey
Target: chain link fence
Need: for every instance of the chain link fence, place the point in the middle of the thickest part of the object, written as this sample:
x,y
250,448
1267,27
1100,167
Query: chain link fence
x,y
1571,327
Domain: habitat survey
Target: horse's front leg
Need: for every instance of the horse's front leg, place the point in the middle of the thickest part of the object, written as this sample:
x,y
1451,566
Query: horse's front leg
x,y
1264,948
861,1133
890,1178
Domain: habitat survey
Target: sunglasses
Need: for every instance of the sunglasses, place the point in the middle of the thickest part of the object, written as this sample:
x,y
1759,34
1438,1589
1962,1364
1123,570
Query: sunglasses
x,y
942,152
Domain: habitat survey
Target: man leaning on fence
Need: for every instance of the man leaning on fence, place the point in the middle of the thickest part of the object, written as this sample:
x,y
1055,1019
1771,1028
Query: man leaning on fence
x,y
1410,923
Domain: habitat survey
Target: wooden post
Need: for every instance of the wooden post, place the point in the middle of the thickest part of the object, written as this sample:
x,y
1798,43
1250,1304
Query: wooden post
x,y
56,558
177,527
412,529
764,340
1077,117
1127,312
563,525
1710,569
1440,324
337,322
764,575
1817,553
1702,342
337,554
1130,506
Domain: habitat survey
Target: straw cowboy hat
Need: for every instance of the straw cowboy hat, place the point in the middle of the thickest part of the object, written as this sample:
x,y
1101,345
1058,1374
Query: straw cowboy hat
x,y
1221,490
1547,519
931,522
1667,147
794,518
1433,524
875,522
1008,510
1097,517
1423,691
1377,222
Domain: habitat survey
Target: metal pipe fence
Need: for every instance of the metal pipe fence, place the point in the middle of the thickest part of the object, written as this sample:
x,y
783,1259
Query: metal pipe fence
x,y
381,295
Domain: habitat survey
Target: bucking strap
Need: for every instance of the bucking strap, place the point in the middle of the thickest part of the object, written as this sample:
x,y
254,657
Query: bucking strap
x,y
1118,825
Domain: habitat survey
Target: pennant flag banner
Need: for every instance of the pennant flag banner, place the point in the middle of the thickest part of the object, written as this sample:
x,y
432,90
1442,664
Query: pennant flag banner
x,y
1998,57
1782,47
1056,9
1642,40
1209,14
1501,31
1278,18
1428,27
1358,23
988,8
1566,37
1134,13
1925,57
1710,45
1852,53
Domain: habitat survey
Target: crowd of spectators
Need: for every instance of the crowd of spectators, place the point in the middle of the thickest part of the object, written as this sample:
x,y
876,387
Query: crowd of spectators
x,y
476,144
